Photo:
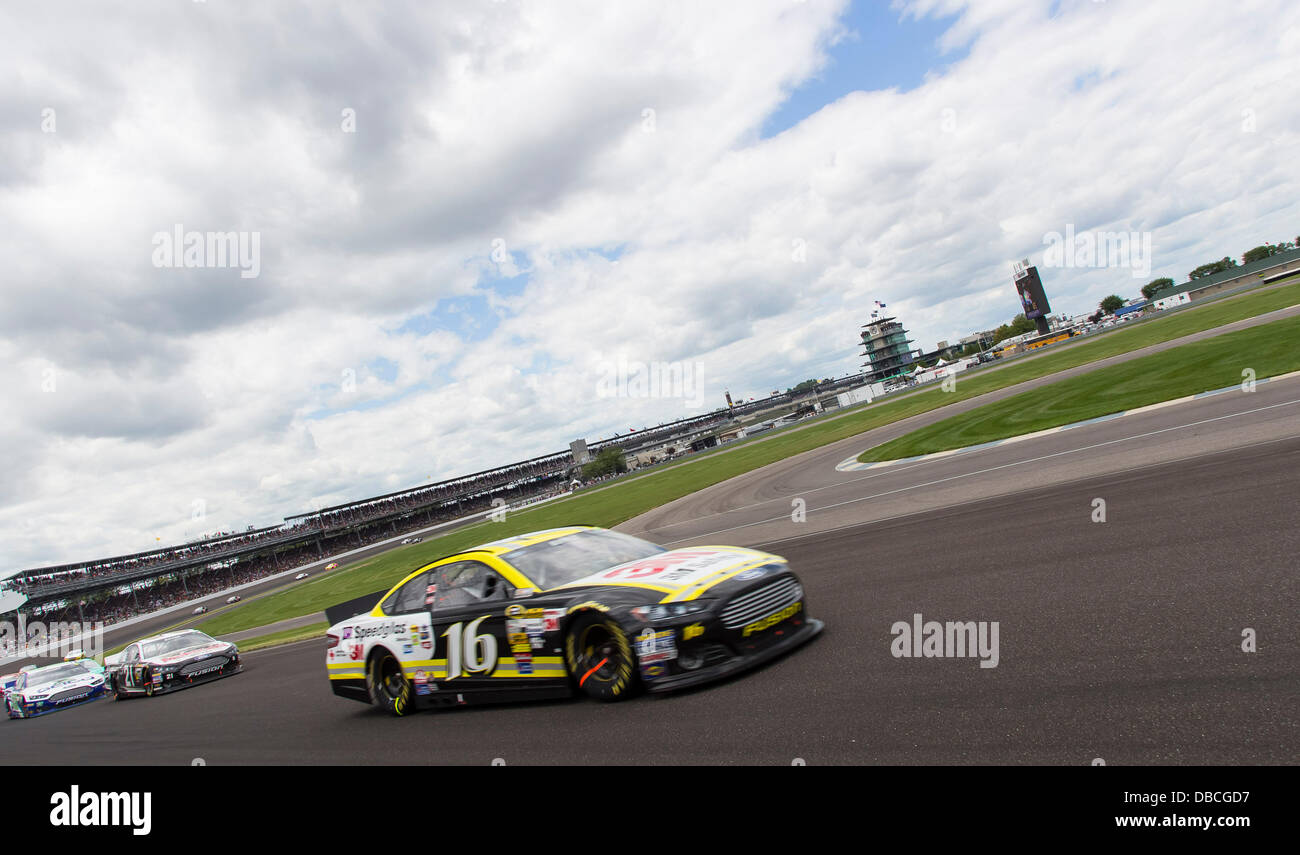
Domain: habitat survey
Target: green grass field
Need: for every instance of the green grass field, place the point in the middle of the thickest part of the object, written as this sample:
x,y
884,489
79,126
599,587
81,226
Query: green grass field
x,y
1215,363
633,496
284,636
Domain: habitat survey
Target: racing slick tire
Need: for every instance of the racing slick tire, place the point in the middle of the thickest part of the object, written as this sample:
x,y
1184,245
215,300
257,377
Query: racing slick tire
x,y
598,653
389,688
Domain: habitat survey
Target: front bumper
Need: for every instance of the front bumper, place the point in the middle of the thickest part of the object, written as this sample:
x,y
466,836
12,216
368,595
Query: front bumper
x,y
737,662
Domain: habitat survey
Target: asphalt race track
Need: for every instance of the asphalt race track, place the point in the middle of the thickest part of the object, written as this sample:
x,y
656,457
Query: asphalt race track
x,y
1119,640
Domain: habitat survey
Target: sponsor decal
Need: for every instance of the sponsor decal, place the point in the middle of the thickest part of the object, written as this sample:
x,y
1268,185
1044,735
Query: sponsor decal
x,y
751,574
517,611
551,620
653,671
695,630
347,632
772,619
652,646
380,630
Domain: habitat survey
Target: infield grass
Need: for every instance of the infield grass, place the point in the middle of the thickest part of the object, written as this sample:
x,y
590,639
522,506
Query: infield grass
x,y
1189,369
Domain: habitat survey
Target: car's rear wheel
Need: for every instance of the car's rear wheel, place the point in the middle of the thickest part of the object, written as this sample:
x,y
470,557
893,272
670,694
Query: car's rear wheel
x,y
389,688
599,656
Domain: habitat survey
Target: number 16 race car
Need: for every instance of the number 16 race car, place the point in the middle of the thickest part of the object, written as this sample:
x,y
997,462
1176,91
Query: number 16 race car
x,y
579,608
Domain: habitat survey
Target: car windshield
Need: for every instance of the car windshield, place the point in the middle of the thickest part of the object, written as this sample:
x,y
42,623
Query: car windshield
x,y
46,676
557,562
171,645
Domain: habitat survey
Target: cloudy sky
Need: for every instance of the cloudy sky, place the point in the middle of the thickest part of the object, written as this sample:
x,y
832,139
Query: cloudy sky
x,y
463,216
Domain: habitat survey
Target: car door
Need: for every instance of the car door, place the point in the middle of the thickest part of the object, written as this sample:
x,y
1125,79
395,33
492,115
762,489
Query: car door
x,y
131,668
469,604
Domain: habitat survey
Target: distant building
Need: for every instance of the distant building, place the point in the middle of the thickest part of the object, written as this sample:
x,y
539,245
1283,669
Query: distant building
x,y
887,349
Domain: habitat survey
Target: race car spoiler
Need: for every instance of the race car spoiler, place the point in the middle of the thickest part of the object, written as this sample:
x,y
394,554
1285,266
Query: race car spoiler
x,y
352,608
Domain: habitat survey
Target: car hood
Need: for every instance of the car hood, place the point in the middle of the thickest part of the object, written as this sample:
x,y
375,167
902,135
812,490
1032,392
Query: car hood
x,y
678,572
189,653
87,681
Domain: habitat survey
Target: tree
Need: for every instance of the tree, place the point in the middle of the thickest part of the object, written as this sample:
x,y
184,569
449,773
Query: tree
x,y
1259,253
970,349
803,387
1149,290
607,462
1212,268
1019,324
1111,304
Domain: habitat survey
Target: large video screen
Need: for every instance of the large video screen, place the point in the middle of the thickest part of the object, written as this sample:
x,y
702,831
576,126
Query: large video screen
x,y
1032,297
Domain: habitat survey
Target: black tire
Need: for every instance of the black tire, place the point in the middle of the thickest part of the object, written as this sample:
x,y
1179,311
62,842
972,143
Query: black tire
x,y
598,653
389,688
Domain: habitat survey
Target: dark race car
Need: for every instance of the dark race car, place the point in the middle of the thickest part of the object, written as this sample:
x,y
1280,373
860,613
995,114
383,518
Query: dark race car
x,y
174,660
572,609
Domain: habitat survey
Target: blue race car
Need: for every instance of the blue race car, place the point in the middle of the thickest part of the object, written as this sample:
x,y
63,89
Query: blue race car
x,y
52,688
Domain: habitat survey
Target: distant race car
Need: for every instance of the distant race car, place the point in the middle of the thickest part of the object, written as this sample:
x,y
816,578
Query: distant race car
x,y
570,609
329,566
303,575
416,539
74,655
51,688
407,540
171,661
200,610
233,599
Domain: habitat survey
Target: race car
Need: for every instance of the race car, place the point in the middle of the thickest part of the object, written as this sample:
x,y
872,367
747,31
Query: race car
x,y
171,661
303,575
51,688
331,565
232,599
577,609
200,610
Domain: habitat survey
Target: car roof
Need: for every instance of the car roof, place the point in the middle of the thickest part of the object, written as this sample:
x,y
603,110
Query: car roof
x,y
494,548
518,541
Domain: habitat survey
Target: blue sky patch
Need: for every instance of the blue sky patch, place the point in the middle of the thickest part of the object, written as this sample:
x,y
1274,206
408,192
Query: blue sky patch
x,y
881,51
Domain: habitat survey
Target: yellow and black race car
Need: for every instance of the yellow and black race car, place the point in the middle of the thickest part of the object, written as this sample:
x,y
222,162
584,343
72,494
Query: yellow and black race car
x,y
548,613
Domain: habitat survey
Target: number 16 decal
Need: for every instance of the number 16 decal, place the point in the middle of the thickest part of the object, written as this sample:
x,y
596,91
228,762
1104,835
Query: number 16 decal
x,y
468,653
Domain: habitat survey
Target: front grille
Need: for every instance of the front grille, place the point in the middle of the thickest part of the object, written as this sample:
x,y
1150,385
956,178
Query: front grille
x,y
216,663
760,603
70,694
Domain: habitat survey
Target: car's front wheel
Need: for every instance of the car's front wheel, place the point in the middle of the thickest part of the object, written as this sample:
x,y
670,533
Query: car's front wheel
x,y
599,656
389,688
